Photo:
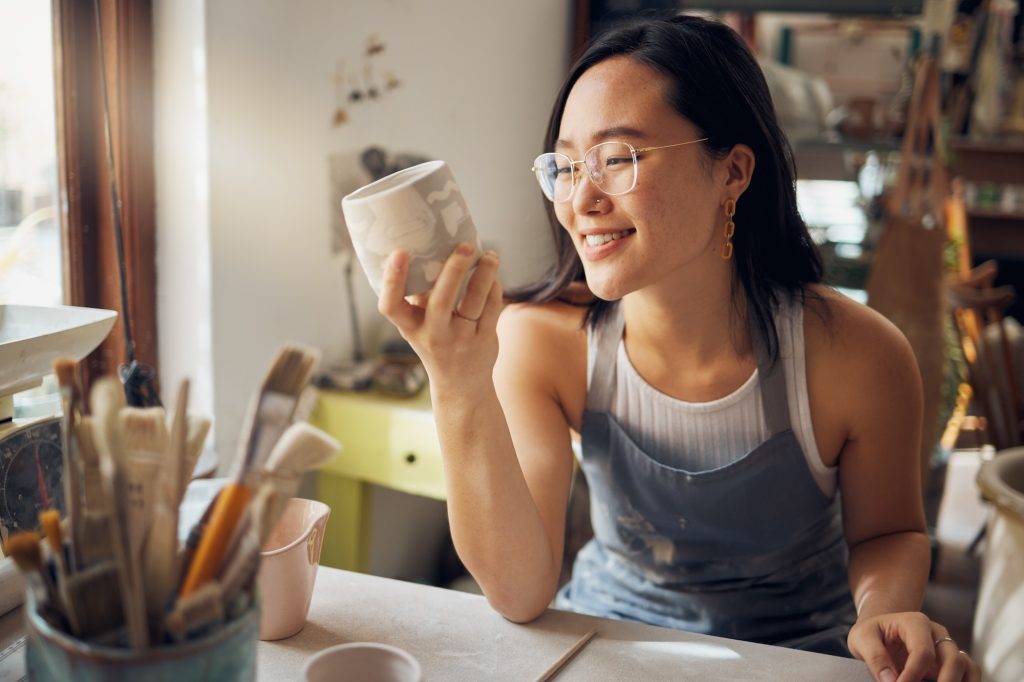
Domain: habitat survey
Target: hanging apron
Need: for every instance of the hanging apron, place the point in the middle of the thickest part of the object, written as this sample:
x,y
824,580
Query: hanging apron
x,y
752,550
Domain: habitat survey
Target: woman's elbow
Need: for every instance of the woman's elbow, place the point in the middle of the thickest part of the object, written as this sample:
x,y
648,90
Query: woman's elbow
x,y
519,610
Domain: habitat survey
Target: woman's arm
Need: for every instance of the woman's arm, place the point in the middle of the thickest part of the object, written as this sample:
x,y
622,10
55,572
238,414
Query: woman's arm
x,y
871,372
506,512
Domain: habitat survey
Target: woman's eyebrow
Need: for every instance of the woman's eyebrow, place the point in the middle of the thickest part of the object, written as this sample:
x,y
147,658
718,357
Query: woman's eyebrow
x,y
606,134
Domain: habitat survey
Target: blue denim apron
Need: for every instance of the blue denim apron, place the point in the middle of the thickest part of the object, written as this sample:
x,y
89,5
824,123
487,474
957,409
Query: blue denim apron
x,y
752,550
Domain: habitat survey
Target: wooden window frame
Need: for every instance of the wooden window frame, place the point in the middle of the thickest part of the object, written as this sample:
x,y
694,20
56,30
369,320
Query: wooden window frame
x,y
90,262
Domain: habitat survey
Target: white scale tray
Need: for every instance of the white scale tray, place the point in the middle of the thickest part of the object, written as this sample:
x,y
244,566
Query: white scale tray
x,y
32,337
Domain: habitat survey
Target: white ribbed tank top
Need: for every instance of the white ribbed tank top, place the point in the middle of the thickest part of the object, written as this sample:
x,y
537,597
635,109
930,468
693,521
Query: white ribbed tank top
x,y
705,436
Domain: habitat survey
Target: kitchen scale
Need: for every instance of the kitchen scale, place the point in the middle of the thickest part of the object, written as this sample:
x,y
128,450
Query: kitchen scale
x,y
31,455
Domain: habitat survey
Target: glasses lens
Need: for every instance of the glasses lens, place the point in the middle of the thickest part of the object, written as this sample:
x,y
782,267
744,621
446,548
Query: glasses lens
x,y
612,167
554,174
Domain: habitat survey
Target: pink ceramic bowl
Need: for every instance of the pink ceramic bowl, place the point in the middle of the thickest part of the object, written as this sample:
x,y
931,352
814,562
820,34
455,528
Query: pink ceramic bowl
x,y
288,566
366,661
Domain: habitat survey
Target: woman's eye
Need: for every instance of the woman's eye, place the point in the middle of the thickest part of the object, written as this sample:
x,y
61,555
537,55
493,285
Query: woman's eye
x,y
616,160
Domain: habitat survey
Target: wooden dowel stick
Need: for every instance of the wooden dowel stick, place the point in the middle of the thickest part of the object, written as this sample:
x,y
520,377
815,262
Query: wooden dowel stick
x,y
566,657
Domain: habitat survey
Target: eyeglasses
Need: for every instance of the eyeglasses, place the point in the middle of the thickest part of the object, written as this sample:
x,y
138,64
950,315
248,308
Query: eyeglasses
x,y
611,166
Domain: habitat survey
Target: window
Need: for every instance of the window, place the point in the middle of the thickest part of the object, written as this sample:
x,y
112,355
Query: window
x,y
30,242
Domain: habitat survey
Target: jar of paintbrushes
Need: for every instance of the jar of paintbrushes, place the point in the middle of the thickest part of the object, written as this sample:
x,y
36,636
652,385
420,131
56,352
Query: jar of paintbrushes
x,y
113,594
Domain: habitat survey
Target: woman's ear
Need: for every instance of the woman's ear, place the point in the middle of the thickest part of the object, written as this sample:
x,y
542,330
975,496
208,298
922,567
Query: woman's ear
x,y
739,166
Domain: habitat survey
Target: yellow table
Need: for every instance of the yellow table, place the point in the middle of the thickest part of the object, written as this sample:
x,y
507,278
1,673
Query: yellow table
x,y
386,441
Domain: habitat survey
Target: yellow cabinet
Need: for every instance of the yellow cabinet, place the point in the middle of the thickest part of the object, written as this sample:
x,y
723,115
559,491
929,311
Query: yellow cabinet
x,y
386,441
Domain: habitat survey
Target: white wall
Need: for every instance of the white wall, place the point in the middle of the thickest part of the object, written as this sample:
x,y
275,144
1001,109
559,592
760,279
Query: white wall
x,y
182,210
244,190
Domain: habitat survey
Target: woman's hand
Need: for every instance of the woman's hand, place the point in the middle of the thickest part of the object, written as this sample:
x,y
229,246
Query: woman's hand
x,y
455,340
906,647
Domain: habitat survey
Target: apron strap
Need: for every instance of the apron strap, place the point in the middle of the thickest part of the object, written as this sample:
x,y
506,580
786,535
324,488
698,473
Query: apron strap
x,y
608,334
772,382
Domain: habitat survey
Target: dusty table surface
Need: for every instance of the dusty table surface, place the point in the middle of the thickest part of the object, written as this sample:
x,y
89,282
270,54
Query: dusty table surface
x,y
457,636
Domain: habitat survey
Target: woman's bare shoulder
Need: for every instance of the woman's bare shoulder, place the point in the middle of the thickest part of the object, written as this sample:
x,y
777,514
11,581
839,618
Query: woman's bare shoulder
x,y
836,325
543,351
551,328
553,320
855,355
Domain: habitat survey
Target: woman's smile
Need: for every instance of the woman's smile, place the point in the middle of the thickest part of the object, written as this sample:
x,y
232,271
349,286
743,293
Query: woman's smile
x,y
600,244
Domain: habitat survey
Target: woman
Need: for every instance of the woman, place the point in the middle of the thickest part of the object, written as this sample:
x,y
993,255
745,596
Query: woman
x,y
749,435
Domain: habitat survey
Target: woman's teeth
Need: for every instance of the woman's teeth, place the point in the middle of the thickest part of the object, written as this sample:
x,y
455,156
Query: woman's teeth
x,y
599,239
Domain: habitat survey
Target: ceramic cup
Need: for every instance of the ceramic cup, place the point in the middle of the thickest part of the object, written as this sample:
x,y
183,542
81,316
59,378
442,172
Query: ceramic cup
x,y
419,210
367,661
288,564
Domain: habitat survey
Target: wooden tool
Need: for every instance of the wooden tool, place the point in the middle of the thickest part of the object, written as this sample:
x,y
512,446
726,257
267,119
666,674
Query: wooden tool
x,y
566,657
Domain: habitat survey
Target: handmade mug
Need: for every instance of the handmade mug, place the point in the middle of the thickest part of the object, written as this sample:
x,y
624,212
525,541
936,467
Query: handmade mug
x,y
288,564
363,661
419,210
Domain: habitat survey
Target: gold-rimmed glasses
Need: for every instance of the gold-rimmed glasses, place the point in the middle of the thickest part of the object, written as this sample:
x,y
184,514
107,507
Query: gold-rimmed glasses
x,y
611,166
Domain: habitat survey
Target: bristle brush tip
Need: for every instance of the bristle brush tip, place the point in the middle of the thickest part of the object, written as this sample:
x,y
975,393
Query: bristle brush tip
x,y
64,368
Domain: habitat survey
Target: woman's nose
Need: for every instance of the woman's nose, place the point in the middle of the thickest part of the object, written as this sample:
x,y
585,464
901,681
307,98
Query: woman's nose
x,y
586,196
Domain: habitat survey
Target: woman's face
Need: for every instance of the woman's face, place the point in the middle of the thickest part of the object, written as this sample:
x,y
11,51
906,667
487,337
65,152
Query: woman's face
x,y
669,225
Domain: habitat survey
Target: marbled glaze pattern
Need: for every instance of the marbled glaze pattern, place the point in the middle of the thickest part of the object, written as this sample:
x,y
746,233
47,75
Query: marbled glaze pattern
x,y
419,210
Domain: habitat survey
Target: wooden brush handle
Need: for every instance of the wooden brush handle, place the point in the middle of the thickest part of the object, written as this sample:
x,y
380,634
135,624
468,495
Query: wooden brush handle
x,y
227,510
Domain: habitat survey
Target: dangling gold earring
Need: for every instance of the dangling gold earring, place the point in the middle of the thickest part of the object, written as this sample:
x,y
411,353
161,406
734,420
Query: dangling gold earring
x,y
730,228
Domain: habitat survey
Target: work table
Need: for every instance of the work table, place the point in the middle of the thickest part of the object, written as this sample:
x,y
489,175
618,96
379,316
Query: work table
x,y
457,636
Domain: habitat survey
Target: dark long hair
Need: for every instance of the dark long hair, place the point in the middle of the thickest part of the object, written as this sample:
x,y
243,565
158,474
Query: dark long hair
x,y
717,85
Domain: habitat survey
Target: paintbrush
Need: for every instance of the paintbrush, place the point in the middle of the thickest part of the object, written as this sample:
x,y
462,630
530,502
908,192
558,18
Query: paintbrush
x,y
93,527
107,401
24,548
94,595
273,407
242,563
49,521
302,447
161,556
197,427
268,418
93,500
199,610
70,398
144,436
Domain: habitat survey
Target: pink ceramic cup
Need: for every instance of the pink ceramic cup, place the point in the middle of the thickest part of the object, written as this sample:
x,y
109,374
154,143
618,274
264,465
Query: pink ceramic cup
x,y
288,566
367,661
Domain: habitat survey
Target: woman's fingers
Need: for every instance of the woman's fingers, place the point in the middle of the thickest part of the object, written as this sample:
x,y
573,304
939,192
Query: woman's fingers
x,y
481,301
918,636
870,647
492,307
471,307
446,289
392,303
952,664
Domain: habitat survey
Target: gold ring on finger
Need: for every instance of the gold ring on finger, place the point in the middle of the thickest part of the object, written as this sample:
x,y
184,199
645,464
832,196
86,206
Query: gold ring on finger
x,y
947,638
459,315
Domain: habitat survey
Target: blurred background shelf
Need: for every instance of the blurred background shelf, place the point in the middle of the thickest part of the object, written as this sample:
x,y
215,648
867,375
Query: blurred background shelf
x,y
995,232
843,7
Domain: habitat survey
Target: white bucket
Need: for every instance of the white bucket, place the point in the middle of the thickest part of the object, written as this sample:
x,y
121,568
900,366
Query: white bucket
x,y
999,617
